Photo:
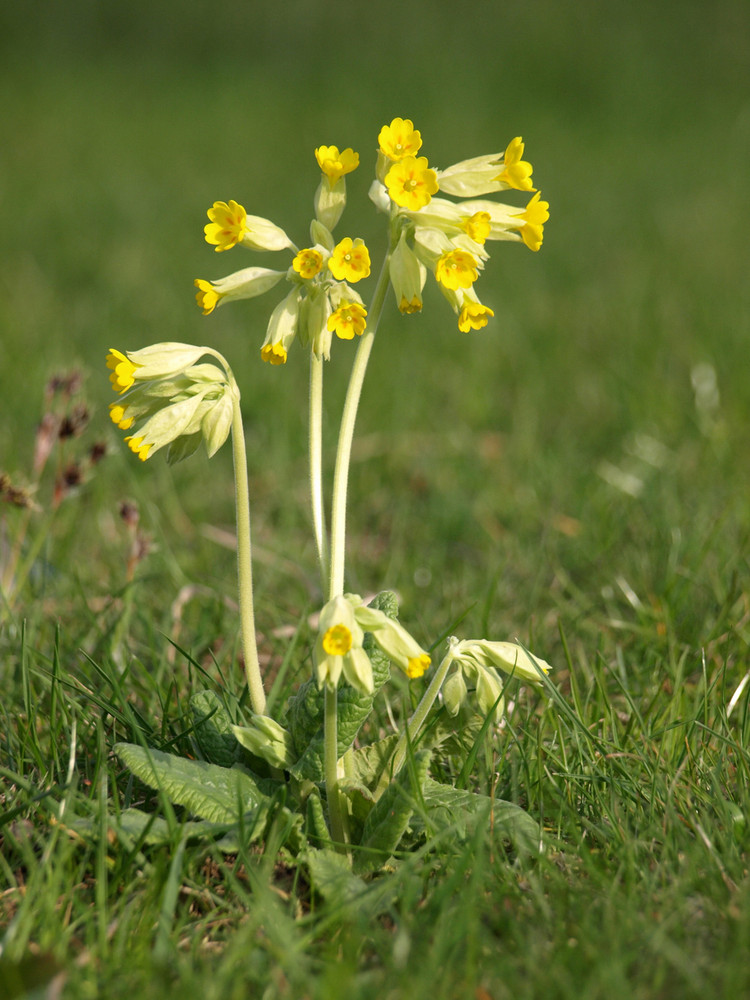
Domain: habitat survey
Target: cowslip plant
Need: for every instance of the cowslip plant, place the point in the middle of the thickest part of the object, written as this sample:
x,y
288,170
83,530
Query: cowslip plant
x,y
338,790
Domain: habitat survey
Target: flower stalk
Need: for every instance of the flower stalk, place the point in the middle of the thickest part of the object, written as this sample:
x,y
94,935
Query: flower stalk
x,y
244,559
346,433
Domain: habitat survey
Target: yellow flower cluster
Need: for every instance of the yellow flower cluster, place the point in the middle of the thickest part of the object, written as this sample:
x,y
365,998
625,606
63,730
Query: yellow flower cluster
x,y
321,301
448,237
430,233
174,400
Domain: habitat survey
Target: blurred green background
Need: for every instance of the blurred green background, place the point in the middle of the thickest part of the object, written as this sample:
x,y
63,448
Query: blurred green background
x,y
496,458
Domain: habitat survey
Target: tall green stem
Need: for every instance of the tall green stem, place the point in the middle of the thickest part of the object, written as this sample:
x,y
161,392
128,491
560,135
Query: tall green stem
x,y
330,769
316,464
244,558
346,435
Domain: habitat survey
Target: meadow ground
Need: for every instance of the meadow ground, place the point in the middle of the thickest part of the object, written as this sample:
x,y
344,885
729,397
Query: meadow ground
x,y
575,475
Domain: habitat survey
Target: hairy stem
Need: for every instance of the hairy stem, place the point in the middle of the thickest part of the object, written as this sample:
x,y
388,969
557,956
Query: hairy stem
x,y
244,557
346,434
316,465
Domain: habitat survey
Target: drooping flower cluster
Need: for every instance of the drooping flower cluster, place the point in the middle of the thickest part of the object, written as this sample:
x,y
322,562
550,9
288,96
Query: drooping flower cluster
x,y
447,237
478,661
321,302
169,399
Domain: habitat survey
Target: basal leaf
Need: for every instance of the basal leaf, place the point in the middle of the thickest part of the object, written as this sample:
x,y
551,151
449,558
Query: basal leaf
x,y
388,819
217,794
213,729
459,809
333,879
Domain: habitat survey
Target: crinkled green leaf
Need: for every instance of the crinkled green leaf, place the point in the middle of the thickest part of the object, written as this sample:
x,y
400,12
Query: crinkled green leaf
x,y
461,810
317,829
388,819
332,877
305,711
218,794
134,825
369,762
213,729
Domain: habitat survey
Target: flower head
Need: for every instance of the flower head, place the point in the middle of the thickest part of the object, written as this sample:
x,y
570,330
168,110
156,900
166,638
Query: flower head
x,y
172,401
227,226
348,320
407,274
392,638
534,216
516,172
282,329
308,263
477,226
473,316
335,164
244,284
410,182
123,370
399,139
338,648
230,225
456,269
350,260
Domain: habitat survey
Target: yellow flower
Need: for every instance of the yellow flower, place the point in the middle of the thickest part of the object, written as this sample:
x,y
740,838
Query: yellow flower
x,y
227,226
230,225
478,227
123,370
456,269
282,329
244,284
410,182
473,316
517,172
274,354
349,319
118,416
339,648
308,263
399,139
136,445
350,260
335,164
207,296
534,216
407,274
398,645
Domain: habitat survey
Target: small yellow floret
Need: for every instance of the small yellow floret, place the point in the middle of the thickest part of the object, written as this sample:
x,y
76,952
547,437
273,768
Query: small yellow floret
x,y
417,665
123,370
117,415
474,316
227,225
136,445
407,308
517,172
456,269
350,260
274,354
308,263
334,164
207,297
349,320
411,184
478,227
534,216
399,139
337,641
